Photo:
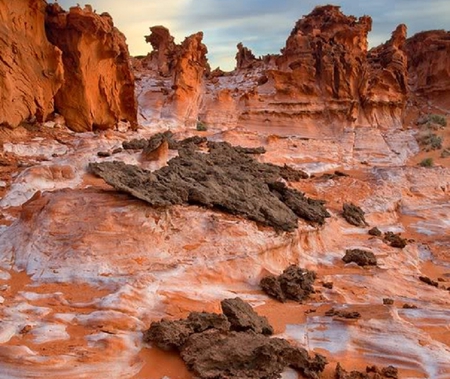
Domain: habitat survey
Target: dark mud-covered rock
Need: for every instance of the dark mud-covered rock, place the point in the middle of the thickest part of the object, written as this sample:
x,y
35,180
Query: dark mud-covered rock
x,y
233,345
430,282
135,144
173,334
360,257
375,232
395,240
168,335
243,318
372,372
294,283
246,355
224,179
354,215
343,314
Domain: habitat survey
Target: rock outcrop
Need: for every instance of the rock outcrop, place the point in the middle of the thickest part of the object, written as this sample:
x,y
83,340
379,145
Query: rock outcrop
x,y
324,76
98,89
163,56
429,65
294,283
227,178
213,347
31,70
188,80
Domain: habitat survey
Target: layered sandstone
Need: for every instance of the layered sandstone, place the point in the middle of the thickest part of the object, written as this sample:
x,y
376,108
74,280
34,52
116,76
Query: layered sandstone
x,y
31,69
324,75
429,64
98,90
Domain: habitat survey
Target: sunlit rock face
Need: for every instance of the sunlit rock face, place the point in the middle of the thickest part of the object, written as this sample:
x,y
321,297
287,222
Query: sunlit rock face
x,y
324,79
29,61
428,65
98,89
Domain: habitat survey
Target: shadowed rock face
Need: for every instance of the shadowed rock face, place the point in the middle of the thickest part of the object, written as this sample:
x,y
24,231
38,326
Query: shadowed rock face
x,y
98,90
31,69
227,179
233,345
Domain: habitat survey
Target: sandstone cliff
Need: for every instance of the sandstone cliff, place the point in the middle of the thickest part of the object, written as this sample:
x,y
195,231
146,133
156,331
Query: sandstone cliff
x,y
31,70
325,79
429,65
98,90
185,66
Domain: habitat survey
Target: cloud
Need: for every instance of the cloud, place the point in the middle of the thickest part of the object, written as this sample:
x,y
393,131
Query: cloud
x,y
262,25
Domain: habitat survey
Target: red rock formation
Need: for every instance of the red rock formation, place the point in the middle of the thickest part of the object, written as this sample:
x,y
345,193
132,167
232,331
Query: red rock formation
x,y
385,94
164,50
99,87
429,64
31,69
190,68
244,57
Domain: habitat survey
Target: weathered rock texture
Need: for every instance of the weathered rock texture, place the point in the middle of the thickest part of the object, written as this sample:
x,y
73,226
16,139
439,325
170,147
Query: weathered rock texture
x,y
31,69
324,74
213,347
227,178
294,283
98,90
360,257
429,65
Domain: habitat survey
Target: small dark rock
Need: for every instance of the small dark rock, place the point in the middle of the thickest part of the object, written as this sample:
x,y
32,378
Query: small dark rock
x,y
251,150
354,215
117,150
375,232
328,285
243,318
409,306
344,314
428,281
104,154
294,283
395,240
360,257
389,372
372,372
135,144
388,301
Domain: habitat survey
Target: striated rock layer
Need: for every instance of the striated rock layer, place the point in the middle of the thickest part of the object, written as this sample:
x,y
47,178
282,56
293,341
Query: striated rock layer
x,y
98,90
324,78
31,69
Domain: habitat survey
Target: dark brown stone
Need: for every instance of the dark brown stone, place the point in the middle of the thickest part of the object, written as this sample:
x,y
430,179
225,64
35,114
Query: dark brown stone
x,y
294,283
243,318
354,215
225,179
360,257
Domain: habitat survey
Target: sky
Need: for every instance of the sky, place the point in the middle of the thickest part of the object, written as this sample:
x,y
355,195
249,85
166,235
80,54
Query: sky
x,y
261,25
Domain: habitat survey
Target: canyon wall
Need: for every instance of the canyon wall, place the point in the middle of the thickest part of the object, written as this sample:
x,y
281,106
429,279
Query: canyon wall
x,y
31,70
83,72
325,79
429,65
98,90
